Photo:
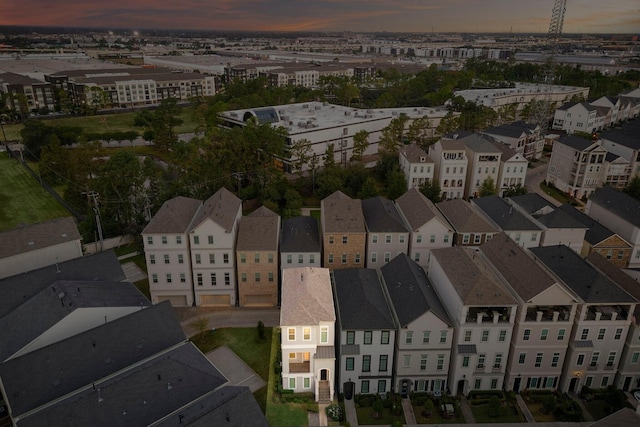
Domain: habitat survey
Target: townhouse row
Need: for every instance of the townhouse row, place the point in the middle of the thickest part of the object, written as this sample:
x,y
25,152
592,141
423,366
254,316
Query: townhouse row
x,y
497,317
207,253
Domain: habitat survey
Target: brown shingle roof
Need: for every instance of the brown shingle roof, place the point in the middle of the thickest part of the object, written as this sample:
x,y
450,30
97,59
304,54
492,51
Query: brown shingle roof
x,y
417,209
221,208
464,218
415,154
341,213
471,277
259,231
306,297
174,216
27,238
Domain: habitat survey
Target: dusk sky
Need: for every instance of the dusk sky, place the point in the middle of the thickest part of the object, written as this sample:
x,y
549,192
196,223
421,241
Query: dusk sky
x,y
582,16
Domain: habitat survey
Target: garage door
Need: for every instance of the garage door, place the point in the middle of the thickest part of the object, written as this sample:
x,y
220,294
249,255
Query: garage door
x,y
175,300
215,300
259,300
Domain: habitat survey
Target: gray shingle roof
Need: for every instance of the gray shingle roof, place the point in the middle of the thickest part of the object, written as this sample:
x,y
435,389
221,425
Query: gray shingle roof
x,y
381,215
15,290
410,291
418,210
531,202
57,301
619,203
341,213
27,238
560,219
300,234
307,298
463,217
586,281
525,276
503,214
259,231
221,208
53,371
626,135
472,280
360,301
596,232
174,216
576,142
480,143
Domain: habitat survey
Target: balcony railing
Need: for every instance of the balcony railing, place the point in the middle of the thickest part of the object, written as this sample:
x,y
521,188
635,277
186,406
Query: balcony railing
x,y
300,368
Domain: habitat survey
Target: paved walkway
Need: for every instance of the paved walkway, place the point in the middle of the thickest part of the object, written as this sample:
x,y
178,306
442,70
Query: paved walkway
x,y
237,372
407,408
525,409
467,413
133,272
585,413
350,412
226,317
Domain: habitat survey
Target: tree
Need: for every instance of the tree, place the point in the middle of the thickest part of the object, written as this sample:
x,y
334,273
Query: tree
x,y
165,118
515,190
300,153
54,161
487,188
360,145
260,330
396,184
329,157
421,133
449,123
393,135
431,190
378,407
369,189
633,187
494,407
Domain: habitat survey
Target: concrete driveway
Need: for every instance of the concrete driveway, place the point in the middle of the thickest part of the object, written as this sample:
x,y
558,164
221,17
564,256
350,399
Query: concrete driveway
x,y
533,179
227,317
237,372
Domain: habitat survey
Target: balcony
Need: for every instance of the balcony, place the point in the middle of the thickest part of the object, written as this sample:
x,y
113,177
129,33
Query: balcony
x,y
488,315
300,368
606,312
548,314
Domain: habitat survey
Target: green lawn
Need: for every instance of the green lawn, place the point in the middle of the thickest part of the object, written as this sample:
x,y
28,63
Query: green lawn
x,y
22,199
507,414
555,193
436,418
537,411
598,408
365,417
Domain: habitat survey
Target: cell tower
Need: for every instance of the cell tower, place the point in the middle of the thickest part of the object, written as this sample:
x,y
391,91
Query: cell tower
x,y
540,110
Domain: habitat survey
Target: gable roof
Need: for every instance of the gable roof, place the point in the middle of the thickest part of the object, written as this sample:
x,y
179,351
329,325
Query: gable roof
x,y
596,232
626,135
28,238
619,203
560,219
341,213
418,209
300,234
222,208
57,301
307,298
525,276
410,291
15,290
174,216
585,280
259,231
415,154
479,143
503,214
578,143
531,202
381,215
360,301
53,371
463,217
474,283
507,152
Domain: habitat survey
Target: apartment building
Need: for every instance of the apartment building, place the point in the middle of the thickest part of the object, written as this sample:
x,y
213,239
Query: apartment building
x,y
429,229
469,225
424,329
344,233
307,320
257,258
417,166
483,313
451,163
366,334
601,324
544,316
387,234
300,244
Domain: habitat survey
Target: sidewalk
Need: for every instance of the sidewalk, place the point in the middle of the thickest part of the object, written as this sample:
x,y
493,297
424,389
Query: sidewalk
x,y
585,413
467,413
525,409
407,408
350,412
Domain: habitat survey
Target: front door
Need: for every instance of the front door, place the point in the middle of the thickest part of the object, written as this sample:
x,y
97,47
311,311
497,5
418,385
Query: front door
x,y
323,375
627,383
404,387
573,385
516,385
460,389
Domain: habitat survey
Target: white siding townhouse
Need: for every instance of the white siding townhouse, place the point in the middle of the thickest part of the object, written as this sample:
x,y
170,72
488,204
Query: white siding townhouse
x,y
417,166
451,164
387,234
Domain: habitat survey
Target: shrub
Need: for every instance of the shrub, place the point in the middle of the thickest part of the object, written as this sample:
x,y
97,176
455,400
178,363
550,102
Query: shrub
x,y
335,412
378,407
549,404
494,407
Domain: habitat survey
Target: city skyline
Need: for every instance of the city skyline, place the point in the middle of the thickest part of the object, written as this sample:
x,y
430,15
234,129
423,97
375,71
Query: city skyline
x,y
493,16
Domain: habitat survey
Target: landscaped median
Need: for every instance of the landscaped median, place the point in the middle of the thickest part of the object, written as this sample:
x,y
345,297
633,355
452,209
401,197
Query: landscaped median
x,y
551,406
429,409
374,410
494,406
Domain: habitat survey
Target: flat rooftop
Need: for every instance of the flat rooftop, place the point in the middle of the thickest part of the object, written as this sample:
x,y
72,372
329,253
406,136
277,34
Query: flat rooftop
x,y
38,65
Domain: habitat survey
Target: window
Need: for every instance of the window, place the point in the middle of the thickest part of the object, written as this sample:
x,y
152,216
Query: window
x,y
635,357
198,259
168,277
585,334
366,363
477,383
164,240
446,238
534,237
183,278
306,334
533,382
423,362
382,386
618,334
289,259
214,281
225,258
383,362
601,333
152,259
300,258
199,279
477,238
368,335
374,238
227,279
212,258
166,259
408,338
270,276
210,240
555,359
345,240
440,362
465,361
543,334
307,382
324,334
343,258
480,364
561,334
196,240
605,381
256,258
243,258
243,277
521,358
331,258
292,383
419,238
331,240
426,335
387,238
416,257
356,258
588,381
443,337
364,386
611,359
312,259
465,239
257,277
384,337
494,383
497,361
485,336
154,278
527,334
348,365
406,360
150,240
351,337
401,238
580,360
432,238
467,335
538,360
502,337
594,359
291,332
179,240
550,382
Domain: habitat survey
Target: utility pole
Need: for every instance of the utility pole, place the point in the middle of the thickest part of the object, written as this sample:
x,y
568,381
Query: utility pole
x,y
94,195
